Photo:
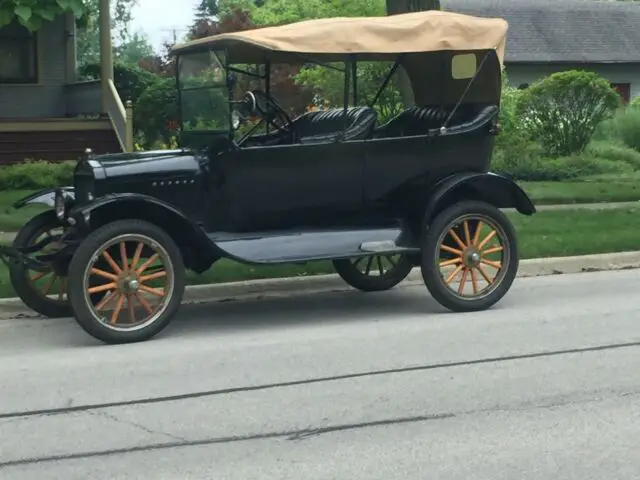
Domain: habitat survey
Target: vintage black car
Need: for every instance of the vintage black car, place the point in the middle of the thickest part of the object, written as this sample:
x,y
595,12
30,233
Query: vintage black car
x,y
333,184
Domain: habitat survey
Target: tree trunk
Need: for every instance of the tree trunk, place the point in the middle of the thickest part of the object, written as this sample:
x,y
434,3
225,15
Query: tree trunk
x,y
395,7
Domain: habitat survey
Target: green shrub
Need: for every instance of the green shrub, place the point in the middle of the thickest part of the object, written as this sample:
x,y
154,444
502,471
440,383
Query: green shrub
x,y
615,152
155,110
35,175
625,126
563,110
539,169
130,80
635,102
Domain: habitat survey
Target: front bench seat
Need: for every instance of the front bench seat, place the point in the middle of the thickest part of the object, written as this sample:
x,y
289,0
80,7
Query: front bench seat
x,y
331,125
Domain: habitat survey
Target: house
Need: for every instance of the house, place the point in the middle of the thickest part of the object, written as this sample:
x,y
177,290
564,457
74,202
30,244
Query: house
x,y
548,36
45,112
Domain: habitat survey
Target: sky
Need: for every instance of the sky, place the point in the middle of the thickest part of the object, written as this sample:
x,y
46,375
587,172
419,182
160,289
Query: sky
x,y
158,18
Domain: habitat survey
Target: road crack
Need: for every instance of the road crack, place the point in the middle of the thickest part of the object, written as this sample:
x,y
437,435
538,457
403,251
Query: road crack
x,y
136,425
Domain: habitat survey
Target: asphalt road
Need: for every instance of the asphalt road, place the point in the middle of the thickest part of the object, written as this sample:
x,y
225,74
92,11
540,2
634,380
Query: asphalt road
x,y
340,386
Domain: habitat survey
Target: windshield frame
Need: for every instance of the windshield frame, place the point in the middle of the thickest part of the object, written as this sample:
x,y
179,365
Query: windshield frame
x,y
215,60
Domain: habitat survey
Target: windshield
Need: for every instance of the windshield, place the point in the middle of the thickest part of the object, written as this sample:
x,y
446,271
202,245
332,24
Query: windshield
x,y
204,96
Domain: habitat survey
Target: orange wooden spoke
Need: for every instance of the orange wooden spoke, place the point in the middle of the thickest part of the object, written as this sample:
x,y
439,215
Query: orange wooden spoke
x,y
154,291
117,310
446,263
39,275
103,288
106,299
111,262
153,276
486,239
493,250
474,281
453,274
136,255
132,313
49,284
476,237
146,264
467,234
463,281
497,265
62,289
102,273
484,275
457,239
449,249
144,303
123,256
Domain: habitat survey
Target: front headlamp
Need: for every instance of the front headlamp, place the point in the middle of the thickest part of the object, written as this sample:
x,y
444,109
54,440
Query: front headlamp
x,y
60,205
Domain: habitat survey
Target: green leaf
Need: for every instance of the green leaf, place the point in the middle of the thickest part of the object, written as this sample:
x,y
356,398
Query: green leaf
x,y
23,12
6,15
48,13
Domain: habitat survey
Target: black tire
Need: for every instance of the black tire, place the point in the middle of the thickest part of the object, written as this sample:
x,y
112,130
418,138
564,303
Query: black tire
x,y
349,272
472,263
80,280
24,286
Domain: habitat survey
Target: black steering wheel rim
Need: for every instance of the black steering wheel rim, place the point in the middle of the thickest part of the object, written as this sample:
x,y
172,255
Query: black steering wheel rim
x,y
270,116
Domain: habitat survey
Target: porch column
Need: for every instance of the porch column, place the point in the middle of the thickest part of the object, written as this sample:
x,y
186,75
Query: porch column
x,y
106,51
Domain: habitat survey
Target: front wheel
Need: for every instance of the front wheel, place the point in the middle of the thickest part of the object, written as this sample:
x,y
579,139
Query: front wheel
x,y
469,256
43,292
140,273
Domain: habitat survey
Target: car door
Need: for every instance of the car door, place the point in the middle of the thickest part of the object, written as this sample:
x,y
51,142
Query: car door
x,y
293,186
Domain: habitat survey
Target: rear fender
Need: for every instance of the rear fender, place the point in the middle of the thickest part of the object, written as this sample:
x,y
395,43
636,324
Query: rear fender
x,y
198,251
44,197
492,188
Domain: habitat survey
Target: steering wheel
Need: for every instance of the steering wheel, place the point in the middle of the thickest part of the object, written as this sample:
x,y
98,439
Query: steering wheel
x,y
258,101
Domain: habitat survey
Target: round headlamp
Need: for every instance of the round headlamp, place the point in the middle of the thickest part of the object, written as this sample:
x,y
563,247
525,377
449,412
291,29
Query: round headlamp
x,y
60,205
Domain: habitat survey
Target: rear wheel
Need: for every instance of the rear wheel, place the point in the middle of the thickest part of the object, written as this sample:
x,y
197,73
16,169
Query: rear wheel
x,y
469,256
374,273
140,272
43,292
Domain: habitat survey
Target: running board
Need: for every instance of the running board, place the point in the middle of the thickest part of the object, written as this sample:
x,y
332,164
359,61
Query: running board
x,y
302,246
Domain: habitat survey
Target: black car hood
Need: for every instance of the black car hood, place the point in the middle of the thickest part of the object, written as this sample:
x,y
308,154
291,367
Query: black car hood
x,y
151,163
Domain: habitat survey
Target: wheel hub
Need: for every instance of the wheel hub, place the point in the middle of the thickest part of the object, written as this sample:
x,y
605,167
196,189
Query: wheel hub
x,y
129,284
471,257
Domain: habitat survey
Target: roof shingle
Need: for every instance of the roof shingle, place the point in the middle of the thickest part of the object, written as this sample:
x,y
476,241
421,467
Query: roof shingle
x,y
567,31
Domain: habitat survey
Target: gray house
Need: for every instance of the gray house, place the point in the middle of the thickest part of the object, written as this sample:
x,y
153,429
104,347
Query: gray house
x,y
547,36
45,113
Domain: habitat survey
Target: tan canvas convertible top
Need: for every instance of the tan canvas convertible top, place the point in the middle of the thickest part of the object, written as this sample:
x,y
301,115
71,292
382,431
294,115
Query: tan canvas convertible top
x,y
377,38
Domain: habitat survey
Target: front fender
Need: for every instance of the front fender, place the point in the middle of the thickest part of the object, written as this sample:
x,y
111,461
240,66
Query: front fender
x,y
492,188
198,250
44,197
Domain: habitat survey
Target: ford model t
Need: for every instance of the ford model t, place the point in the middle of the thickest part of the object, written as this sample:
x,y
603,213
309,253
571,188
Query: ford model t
x,y
377,198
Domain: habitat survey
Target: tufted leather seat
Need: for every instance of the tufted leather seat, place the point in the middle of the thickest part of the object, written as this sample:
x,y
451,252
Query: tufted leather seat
x,y
331,125
418,120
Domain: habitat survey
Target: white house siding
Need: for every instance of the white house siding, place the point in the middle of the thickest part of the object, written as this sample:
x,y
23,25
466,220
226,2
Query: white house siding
x,y
45,99
528,74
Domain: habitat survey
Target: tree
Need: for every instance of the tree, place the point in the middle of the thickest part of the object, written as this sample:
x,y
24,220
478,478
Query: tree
x,y
31,13
207,9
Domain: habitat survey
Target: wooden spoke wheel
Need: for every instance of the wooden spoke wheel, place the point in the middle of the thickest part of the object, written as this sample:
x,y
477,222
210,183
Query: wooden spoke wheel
x,y
139,271
43,292
470,256
375,272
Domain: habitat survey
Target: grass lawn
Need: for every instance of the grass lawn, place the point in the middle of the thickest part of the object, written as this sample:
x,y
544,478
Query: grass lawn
x,y
596,189
11,219
545,234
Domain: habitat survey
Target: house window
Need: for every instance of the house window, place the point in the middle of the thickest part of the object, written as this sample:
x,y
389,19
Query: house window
x,y
18,55
624,90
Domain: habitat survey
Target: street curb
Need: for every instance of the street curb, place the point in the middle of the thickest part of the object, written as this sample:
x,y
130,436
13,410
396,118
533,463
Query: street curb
x,y
289,287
